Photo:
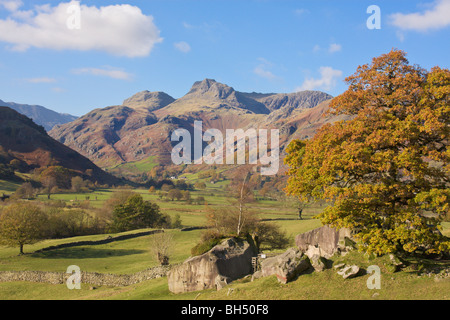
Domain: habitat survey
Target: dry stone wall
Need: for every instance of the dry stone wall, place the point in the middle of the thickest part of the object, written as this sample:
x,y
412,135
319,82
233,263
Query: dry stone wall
x,y
93,278
99,242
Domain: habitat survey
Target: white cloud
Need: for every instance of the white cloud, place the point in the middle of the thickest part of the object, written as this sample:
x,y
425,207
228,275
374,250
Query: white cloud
x,y
262,71
41,80
121,30
11,5
106,72
316,48
334,47
327,80
182,46
437,17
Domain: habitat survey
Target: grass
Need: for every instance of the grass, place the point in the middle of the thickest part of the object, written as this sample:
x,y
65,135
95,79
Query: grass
x,y
330,286
120,257
318,286
133,255
134,168
8,187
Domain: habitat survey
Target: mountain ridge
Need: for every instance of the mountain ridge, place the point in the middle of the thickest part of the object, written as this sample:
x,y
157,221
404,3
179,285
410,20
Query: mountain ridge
x,y
22,139
41,115
142,126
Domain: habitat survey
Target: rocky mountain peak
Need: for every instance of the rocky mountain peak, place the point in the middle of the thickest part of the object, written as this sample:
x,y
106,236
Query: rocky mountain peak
x,y
148,100
211,87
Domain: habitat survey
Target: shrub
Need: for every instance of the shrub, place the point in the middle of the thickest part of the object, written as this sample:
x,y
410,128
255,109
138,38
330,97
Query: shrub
x,y
177,224
162,244
205,246
136,213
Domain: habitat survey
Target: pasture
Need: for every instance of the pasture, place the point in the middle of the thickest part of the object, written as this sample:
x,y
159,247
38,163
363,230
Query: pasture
x,y
134,255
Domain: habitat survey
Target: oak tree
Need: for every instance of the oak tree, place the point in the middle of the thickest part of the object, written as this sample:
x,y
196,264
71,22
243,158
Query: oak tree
x,y
385,168
136,213
21,224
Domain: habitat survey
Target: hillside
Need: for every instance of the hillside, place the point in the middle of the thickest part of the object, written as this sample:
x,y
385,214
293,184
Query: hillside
x,y
40,115
148,101
141,127
22,139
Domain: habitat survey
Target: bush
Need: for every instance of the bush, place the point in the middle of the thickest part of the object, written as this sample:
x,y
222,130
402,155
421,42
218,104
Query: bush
x,y
162,245
136,213
177,224
205,246
200,186
200,200
209,238
174,194
70,223
271,236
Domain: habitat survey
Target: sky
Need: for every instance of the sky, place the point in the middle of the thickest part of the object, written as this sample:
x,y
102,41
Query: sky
x,y
75,56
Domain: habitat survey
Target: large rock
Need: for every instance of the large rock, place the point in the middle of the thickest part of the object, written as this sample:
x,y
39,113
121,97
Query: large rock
x,y
230,260
348,272
324,241
318,263
286,266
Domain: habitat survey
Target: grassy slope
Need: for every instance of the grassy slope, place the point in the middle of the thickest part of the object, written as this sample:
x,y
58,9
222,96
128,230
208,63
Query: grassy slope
x,y
137,167
8,187
133,255
324,285
121,257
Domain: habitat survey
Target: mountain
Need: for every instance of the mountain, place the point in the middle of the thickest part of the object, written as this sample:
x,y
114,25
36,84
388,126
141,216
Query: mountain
x,y
213,94
142,126
40,115
148,100
96,134
22,139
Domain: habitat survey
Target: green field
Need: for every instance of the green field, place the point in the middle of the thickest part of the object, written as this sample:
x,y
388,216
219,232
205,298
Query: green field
x,y
8,187
133,255
134,168
324,285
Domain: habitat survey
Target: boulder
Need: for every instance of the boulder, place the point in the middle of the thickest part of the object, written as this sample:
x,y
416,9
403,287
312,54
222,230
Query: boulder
x,y
318,263
286,266
221,282
325,241
228,261
258,274
339,266
313,251
349,271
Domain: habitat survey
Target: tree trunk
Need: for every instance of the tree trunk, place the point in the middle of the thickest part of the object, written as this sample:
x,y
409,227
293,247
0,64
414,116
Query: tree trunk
x,y
241,208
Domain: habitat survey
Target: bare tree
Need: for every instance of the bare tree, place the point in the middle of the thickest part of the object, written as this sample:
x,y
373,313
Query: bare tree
x,y
49,183
162,244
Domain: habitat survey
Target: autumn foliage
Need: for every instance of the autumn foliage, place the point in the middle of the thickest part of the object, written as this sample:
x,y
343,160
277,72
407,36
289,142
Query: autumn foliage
x,y
385,170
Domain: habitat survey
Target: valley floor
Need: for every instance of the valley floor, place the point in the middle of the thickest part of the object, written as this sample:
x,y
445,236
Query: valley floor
x,y
134,255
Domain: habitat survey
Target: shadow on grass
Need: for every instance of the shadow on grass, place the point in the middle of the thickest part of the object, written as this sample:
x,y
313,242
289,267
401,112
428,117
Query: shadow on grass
x,y
85,253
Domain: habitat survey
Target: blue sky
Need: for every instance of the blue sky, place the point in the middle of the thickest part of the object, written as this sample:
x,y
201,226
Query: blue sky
x,y
123,47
